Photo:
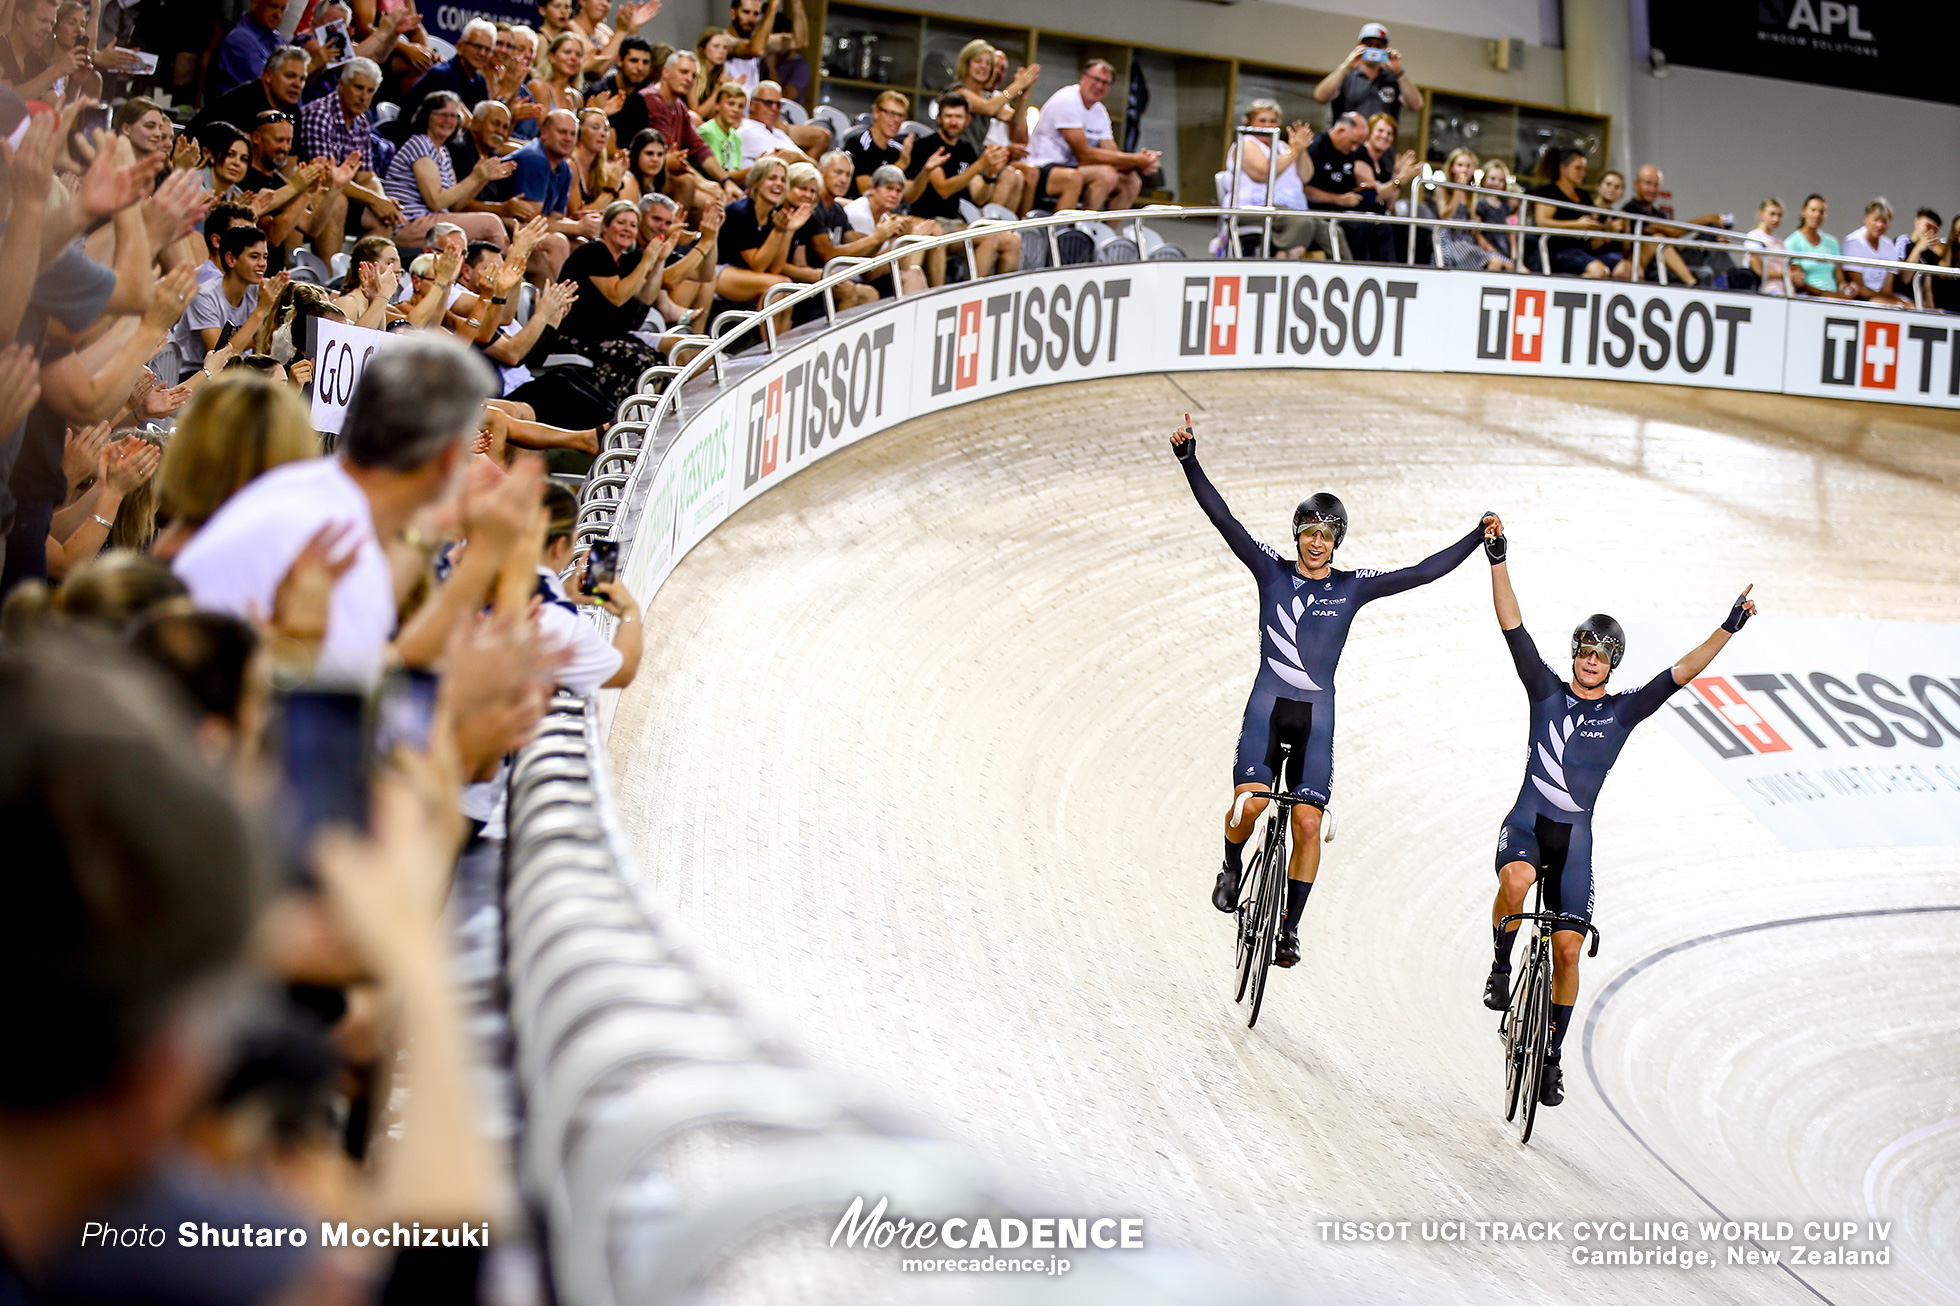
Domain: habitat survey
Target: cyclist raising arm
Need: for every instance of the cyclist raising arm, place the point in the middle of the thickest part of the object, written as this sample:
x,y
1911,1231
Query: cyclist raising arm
x,y
1577,731
1305,609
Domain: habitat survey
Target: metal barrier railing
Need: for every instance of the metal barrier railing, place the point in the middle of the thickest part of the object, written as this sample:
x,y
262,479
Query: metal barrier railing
x,y
625,1055
661,386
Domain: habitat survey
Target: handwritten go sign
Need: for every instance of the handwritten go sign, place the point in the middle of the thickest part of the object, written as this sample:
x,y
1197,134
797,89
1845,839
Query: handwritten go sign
x,y
340,354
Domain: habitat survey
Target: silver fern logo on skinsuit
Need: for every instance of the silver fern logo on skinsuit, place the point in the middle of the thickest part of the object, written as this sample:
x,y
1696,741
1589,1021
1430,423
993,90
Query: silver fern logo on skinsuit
x,y
1292,671
1553,760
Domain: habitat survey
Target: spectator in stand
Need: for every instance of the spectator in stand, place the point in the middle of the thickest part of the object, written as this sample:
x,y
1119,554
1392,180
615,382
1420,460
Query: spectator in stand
x,y
228,158
1334,162
1687,266
422,181
598,168
1382,176
1814,276
1921,249
999,117
882,141
1874,285
689,160
227,304
223,216
1944,290
784,63
1462,247
617,280
462,75
555,18
1499,212
721,128
1572,256
517,57
1369,81
371,287
250,45
646,165
606,43
952,172
596,663
688,284
763,132
1072,150
23,55
488,137
413,409
871,212
832,235
122,474
1613,189
618,92
1769,271
756,236
557,85
750,22
711,52
543,176
148,129
279,85
335,127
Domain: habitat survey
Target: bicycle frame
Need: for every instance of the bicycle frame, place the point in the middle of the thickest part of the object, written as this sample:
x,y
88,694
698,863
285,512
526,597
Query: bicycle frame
x,y
1526,1028
1262,893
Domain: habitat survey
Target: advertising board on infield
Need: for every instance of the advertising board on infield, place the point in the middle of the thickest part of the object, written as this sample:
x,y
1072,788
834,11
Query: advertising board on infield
x,y
972,342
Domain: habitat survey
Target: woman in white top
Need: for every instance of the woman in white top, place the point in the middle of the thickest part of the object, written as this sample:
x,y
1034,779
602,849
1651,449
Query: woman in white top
x,y
1769,216
1249,164
422,181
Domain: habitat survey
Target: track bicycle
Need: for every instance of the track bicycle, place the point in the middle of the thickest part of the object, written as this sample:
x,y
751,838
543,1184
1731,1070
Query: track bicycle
x,y
1526,1028
1262,894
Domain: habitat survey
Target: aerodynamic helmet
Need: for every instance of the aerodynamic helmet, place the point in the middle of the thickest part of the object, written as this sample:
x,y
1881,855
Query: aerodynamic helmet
x,y
1322,507
1600,630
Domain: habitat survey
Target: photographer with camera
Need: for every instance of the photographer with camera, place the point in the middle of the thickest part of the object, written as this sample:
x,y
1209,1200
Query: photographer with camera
x,y
1369,81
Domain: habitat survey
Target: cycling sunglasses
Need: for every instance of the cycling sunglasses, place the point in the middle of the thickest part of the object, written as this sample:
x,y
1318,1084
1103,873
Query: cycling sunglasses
x,y
1317,526
1604,649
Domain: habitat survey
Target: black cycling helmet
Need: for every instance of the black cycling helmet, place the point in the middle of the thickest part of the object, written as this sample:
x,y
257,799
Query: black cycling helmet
x,y
1322,507
1603,630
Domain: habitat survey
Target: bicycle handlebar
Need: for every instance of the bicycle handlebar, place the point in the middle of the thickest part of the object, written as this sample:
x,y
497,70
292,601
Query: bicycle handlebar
x,y
1559,917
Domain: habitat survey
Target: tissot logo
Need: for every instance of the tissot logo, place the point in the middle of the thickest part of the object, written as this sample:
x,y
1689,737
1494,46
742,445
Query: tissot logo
x,y
1595,328
1027,333
1875,353
1238,316
835,392
1821,710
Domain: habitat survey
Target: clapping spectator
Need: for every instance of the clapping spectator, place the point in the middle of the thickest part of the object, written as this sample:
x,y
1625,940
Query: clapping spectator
x,y
598,169
689,160
422,181
618,92
27,61
237,426
1944,290
876,218
617,280
757,233
335,127
227,157
1874,285
953,171
834,236
1335,163
999,116
1382,176
1369,81
1073,149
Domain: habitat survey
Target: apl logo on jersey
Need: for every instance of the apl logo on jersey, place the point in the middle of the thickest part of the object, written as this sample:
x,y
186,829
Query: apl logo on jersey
x,y
1865,353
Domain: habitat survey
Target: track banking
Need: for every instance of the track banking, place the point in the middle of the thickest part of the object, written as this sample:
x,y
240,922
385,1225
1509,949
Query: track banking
x,y
1873,733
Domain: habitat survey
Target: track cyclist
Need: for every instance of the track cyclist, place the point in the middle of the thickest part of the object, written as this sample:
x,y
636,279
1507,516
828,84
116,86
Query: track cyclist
x,y
1305,608
1577,730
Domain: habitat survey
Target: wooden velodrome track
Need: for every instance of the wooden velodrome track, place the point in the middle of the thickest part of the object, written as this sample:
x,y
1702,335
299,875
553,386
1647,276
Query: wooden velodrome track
x,y
929,755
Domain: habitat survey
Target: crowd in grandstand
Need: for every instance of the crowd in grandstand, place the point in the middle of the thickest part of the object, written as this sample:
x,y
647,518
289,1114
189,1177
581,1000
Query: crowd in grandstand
x,y
208,1029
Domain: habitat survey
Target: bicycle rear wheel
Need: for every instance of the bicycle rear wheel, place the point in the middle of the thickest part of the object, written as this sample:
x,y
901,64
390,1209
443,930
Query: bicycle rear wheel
x,y
1272,896
1245,922
1538,1034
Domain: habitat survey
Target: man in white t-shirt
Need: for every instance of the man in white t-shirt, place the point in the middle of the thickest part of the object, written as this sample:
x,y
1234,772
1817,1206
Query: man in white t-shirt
x,y
1072,155
403,440
762,133
1873,285
1769,217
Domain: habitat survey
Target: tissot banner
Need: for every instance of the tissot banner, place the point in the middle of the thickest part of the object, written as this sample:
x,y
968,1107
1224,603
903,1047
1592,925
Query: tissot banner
x,y
1866,45
1836,733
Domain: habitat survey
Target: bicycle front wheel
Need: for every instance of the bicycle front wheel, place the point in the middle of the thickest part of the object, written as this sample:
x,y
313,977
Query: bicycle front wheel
x,y
1538,1035
1515,1022
1245,923
1272,898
